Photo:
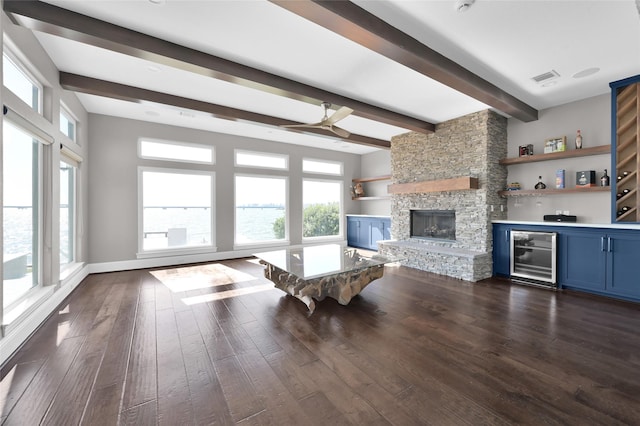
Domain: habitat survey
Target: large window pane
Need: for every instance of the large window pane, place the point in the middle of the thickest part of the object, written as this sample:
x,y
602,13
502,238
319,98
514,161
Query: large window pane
x,y
262,160
67,124
176,151
321,204
261,205
21,84
20,209
67,213
177,209
322,167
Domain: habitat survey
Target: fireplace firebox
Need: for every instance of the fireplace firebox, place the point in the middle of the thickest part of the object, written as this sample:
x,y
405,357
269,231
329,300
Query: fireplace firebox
x,y
433,224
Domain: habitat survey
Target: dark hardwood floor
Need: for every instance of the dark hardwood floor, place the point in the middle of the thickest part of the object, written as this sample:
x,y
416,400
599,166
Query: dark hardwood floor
x,y
217,344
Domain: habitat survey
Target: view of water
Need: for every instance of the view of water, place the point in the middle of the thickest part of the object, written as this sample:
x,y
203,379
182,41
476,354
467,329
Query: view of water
x,y
253,224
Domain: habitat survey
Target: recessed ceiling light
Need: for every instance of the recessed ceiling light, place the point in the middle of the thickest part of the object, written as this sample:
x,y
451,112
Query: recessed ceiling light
x,y
154,68
550,83
586,73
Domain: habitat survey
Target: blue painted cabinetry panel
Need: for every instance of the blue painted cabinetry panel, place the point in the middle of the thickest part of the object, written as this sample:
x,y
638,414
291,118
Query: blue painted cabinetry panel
x,y
501,253
366,231
582,259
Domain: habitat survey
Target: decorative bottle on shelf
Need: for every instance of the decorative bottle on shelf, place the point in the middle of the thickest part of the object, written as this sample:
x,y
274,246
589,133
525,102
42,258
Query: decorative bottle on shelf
x,y
579,140
540,185
604,180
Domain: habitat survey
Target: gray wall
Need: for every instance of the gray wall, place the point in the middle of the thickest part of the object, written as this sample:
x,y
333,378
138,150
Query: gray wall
x,y
113,195
592,117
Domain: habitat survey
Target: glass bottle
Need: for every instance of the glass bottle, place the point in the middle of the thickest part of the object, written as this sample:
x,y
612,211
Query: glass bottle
x,y
540,185
579,140
604,180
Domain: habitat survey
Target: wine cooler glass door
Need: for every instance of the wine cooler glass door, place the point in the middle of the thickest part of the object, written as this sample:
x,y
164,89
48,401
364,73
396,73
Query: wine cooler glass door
x,y
533,256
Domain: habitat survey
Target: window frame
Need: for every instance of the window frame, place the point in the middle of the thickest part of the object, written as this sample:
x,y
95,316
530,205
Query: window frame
x,y
179,144
39,226
261,154
73,216
341,230
142,253
13,57
262,243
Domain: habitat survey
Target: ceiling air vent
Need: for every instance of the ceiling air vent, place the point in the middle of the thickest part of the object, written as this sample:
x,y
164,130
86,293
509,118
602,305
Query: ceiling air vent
x,y
546,77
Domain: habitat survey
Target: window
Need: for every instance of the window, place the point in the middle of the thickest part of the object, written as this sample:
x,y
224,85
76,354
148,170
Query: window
x,y
262,160
322,167
21,212
322,207
67,213
175,151
261,209
67,123
17,79
177,209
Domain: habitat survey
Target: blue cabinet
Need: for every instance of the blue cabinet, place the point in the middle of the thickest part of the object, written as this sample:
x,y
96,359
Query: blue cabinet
x,y
501,233
366,231
601,261
582,259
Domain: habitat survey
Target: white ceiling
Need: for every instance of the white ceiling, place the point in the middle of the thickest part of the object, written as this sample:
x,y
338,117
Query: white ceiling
x,y
505,42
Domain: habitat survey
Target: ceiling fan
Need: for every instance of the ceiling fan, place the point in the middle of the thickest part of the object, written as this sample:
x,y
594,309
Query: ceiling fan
x,y
328,123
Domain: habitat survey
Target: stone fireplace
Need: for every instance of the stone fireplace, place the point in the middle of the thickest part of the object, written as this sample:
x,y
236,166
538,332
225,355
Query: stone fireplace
x,y
469,148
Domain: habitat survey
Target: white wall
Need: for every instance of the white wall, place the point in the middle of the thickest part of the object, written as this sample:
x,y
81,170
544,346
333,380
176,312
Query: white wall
x,y
592,117
114,189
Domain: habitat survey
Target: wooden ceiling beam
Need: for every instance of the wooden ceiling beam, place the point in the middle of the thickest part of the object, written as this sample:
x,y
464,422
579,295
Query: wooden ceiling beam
x,y
44,17
358,25
93,86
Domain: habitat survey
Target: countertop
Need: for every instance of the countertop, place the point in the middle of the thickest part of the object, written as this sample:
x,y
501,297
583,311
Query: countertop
x,y
369,215
573,224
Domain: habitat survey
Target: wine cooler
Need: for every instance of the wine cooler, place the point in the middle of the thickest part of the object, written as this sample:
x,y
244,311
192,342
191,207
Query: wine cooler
x,y
533,258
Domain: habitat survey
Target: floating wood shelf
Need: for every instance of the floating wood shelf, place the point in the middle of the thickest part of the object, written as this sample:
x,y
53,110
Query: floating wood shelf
x,y
552,191
385,197
584,152
371,179
454,184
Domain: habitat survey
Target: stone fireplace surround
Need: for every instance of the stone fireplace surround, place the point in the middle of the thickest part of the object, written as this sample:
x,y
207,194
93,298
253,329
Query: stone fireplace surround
x,y
467,146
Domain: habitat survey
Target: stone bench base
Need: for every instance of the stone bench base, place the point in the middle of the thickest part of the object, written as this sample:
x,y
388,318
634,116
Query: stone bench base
x,y
453,262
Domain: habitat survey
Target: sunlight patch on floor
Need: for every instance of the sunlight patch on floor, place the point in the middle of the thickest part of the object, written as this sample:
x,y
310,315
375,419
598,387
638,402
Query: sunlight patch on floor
x,y
199,276
226,294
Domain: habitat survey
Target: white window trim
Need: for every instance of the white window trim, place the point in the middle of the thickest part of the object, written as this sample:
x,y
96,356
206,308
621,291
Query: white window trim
x,y
317,160
263,243
341,230
143,254
25,66
261,154
176,160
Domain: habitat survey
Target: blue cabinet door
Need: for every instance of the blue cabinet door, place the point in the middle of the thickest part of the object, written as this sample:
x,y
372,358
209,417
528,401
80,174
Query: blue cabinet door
x,y
501,254
624,267
583,259
353,231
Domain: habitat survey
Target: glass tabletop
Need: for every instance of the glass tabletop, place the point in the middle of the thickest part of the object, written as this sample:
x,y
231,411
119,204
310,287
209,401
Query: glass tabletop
x,y
321,261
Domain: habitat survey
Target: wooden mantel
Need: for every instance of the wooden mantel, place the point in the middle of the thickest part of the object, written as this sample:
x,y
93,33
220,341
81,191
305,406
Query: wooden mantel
x,y
454,184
